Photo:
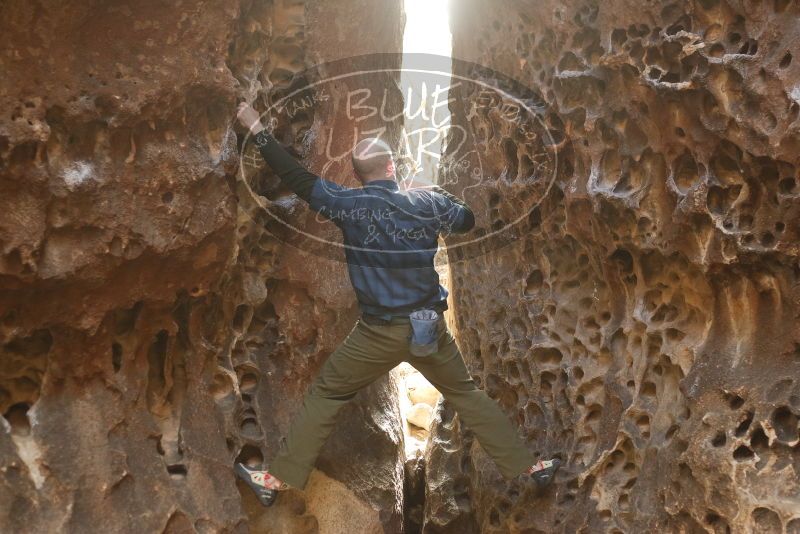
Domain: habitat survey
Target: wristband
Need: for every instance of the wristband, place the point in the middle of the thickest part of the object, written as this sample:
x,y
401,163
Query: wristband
x,y
262,138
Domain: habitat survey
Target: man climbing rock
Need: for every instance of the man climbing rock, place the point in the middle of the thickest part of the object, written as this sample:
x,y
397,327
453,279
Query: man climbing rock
x,y
390,238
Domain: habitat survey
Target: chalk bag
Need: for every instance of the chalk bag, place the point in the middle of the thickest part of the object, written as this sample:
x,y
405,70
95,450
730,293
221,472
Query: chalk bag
x,y
424,334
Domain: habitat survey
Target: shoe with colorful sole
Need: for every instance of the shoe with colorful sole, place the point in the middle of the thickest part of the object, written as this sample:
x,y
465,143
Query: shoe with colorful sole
x,y
258,482
544,471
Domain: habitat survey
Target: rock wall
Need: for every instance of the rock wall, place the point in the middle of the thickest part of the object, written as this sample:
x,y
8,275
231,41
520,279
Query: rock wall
x,y
152,329
642,322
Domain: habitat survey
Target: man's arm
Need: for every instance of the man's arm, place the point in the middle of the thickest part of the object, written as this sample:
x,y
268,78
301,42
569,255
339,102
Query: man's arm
x,y
293,175
465,220
324,197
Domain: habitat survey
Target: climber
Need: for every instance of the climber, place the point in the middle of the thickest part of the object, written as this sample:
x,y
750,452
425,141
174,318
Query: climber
x,y
390,240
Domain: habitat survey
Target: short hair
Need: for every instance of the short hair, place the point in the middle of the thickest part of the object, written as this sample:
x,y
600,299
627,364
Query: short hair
x,y
370,156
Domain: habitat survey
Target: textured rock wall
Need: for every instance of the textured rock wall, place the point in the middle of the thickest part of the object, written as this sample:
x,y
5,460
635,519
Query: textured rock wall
x,y
151,329
642,323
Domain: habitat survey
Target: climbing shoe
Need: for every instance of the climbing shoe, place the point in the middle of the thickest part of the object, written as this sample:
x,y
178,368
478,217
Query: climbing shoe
x,y
543,472
262,483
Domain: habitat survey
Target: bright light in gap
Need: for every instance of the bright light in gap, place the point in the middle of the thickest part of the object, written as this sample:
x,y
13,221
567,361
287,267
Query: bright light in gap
x,y
427,27
427,31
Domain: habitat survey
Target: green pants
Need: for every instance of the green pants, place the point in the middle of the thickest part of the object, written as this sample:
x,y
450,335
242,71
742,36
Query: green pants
x,y
370,351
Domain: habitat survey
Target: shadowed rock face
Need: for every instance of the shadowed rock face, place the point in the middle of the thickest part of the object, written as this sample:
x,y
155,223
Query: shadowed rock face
x,y
644,324
151,329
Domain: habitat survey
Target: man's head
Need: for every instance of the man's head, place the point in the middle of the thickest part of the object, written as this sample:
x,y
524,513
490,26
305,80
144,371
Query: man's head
x,y
372,160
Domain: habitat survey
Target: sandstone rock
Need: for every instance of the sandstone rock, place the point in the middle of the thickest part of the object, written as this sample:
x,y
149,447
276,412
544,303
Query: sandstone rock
x,y
642,320
420,415
414,496
326,507
152,329
421,391
447,476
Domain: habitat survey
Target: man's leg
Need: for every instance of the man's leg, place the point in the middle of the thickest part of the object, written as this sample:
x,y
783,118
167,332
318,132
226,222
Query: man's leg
x,y
447,372
366,354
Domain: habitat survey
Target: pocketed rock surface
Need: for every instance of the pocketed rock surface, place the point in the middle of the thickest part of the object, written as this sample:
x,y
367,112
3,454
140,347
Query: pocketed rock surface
x,y
152,330
642,322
